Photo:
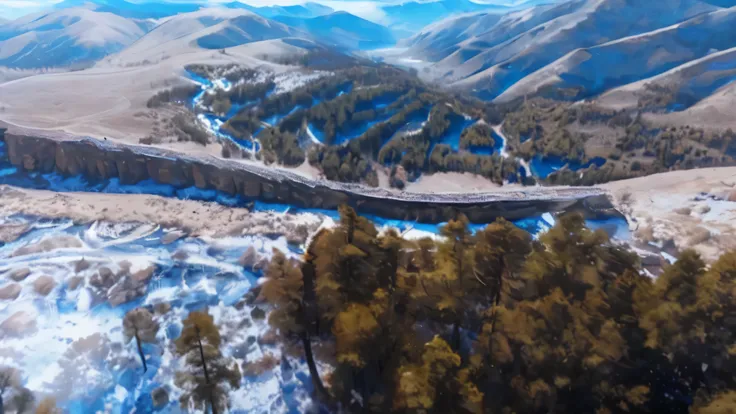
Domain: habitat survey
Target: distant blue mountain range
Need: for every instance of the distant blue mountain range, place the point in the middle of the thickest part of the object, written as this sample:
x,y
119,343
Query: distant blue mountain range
x,y
343,30
147,10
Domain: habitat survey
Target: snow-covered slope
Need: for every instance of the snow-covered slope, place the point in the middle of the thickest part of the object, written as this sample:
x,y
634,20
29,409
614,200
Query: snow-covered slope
x,y
407,18
343,29
243,29
523,42
305,10
480,32
210,28
65,37
440,39
591,71
688,84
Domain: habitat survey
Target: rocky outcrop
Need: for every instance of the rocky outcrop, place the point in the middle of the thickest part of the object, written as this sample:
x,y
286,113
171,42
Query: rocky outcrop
x,y
46,152
44,284
130,287
18,324
19,275
11,291
10,232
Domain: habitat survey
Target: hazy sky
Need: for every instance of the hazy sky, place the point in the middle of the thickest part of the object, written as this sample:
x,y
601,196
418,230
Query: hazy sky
x,y
11,9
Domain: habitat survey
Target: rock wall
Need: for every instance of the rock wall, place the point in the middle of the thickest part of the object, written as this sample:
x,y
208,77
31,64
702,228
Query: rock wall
x,y
96,159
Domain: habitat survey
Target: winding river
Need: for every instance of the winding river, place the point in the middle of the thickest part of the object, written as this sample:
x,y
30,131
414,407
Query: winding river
x,y
62,323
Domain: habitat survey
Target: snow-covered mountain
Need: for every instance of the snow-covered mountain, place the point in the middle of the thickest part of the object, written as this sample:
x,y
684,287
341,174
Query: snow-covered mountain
x,y
305,10
687,84
523,42
343,30
591,71
65,37
210,28
409,17
441,39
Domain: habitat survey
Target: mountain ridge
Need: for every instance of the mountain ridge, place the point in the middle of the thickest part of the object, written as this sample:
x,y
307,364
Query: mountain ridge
x,y
342,29
65,37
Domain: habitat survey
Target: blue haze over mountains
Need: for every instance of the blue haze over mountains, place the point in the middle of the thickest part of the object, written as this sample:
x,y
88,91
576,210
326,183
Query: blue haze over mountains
x,y
496,52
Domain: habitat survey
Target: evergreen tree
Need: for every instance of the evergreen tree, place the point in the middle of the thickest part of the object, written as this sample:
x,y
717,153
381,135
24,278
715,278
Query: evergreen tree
x,y
286,288
139,324
436,384
688,315
563,324
207,374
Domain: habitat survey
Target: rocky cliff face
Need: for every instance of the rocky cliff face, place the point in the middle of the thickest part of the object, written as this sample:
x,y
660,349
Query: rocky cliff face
x,y
97,160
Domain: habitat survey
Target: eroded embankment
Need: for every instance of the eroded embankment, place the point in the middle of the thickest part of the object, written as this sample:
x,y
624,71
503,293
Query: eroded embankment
x,y
46,152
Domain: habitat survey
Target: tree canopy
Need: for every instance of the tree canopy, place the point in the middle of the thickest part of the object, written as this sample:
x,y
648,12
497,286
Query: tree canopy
x,y
496,321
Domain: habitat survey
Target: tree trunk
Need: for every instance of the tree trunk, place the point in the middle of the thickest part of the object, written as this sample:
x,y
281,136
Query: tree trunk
x,y
316,380
496,302
310,325
140,352
456,336
2,405
206,374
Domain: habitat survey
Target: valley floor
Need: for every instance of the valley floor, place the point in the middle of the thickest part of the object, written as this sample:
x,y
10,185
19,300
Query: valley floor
x,y
670,211
198,219
692,209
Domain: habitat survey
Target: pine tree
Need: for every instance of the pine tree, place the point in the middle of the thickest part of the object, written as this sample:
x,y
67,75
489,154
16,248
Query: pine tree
x,y
207,373
139,324
436,384
688,315
287,289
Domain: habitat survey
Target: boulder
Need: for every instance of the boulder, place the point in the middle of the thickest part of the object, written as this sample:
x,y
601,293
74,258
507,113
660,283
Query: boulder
x,y
11,291
44,284
104,278
130,287
732,196
143,276
19,275
81,266
11,232
18,324
160,397
249,258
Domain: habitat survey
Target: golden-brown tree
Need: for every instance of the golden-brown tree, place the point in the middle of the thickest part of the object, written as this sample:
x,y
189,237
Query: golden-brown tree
x,y
139,324
207,374
288,290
